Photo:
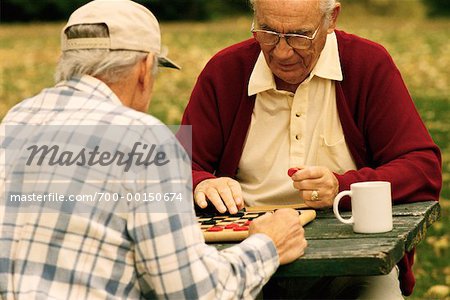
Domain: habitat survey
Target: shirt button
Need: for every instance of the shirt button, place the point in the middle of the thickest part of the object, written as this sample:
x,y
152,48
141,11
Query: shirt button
x,y
298,115
298,137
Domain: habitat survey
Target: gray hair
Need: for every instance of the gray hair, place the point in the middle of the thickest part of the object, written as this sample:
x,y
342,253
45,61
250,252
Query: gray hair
x,y
109,65
326,6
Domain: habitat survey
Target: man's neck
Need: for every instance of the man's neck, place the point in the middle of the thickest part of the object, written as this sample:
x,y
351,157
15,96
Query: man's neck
x,y
285,86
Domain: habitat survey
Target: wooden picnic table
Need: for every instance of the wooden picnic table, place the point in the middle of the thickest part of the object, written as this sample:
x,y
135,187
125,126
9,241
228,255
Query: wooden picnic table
x,y
335,250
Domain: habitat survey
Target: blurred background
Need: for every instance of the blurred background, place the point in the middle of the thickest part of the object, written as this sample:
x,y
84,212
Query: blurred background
x,y
48,10
415,32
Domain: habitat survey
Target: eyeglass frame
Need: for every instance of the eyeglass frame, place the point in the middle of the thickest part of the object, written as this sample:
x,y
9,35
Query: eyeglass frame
x,y
286,36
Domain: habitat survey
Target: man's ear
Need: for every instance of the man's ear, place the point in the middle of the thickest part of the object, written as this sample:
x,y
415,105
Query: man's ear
x,y
145,70
333,18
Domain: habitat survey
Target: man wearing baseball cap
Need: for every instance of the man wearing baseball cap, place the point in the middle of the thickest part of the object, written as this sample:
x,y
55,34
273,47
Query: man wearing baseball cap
x,y
60,247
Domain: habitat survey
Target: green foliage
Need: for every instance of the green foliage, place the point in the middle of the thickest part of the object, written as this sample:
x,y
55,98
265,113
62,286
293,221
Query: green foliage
x,y
194,9
438,7
176,9
394,8
30,10
50,10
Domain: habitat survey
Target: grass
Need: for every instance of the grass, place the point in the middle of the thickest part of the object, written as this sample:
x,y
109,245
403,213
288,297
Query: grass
x,y
419,46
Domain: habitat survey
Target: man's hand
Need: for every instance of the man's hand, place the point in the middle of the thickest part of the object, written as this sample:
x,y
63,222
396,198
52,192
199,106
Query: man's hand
x,y
284,228
224,193
317,185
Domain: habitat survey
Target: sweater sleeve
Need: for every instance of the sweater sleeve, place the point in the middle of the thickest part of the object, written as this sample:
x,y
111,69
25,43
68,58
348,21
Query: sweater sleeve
x,y
202,114
395,143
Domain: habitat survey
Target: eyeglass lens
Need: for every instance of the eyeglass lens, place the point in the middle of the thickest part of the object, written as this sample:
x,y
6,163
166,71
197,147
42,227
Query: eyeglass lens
x,y
271,39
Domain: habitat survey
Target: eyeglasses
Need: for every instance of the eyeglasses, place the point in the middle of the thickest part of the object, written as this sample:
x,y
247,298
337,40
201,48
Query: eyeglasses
x,y
272,38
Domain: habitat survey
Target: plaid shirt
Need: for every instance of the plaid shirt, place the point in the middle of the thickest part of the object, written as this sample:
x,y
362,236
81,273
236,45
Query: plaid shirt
x,y
110,254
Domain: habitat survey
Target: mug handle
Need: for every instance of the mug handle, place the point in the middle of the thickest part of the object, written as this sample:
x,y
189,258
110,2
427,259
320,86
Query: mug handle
x,y
336,207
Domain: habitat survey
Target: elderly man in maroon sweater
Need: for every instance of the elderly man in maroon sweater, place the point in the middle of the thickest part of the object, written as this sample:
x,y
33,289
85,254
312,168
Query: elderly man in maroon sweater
x,y
302,94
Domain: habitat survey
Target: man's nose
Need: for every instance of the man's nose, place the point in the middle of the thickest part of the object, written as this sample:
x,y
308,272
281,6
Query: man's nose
x,y
282,49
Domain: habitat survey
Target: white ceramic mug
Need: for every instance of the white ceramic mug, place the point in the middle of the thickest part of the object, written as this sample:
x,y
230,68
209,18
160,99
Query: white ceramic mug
x,y
371,206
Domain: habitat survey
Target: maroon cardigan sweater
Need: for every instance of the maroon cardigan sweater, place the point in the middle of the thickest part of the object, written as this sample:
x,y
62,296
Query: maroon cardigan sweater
x,y
382,128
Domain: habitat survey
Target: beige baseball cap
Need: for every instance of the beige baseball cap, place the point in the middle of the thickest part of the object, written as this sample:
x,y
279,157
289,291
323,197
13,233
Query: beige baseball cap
x,y
131,26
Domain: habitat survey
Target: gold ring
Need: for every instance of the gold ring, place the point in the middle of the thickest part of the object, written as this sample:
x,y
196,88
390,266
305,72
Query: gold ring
x,y
315,196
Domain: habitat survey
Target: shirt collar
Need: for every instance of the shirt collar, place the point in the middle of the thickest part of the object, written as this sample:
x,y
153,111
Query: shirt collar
x,y
92,86
328,67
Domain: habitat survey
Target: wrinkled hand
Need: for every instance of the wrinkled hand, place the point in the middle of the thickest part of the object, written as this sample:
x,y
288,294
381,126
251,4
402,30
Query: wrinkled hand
x,y
315,178
224,193
284,228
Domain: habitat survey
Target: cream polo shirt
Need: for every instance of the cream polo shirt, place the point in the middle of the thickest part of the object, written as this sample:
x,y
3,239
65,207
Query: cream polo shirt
x,y
289,130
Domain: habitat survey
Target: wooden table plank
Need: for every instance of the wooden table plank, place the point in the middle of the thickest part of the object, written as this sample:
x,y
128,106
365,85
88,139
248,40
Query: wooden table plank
x,y
345,257
420,228
416,208
335,250
340,257
333,229
407,209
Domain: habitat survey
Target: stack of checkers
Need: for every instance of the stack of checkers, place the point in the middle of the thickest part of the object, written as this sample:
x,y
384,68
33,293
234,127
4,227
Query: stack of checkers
x,y
234,228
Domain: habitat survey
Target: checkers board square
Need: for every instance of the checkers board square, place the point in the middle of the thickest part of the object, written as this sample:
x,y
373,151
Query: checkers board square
x,y
218,227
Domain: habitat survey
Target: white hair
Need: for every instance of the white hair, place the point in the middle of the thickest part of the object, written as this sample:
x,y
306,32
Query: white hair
x,y
326,6
108,65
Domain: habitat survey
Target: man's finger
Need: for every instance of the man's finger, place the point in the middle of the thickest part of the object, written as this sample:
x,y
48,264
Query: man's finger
x,y
236,192
200,199
216,200
308,173
227,197
307,184
262,218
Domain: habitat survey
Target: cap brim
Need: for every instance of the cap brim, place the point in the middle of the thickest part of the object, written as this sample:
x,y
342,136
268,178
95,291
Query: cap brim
x,y
167,63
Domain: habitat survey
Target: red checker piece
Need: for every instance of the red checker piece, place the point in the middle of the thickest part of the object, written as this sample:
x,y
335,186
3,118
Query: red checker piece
x,y
241,228
215,228
231,226
292,171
